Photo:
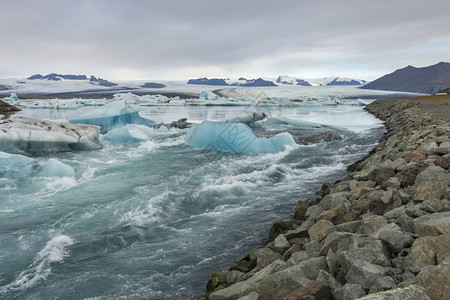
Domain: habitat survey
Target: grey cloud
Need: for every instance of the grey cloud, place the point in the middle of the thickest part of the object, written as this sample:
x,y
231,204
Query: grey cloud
x,y
158,38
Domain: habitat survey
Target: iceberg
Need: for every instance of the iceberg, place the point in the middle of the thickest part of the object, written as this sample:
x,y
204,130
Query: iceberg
x,y
207,95
235,137
112,115
248,119
14,165
55,168
21,134
134,133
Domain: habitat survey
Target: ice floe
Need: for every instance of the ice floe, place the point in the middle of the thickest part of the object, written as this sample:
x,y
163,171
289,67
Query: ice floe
x,y
22,134
55,168
235,137
112,115
134,133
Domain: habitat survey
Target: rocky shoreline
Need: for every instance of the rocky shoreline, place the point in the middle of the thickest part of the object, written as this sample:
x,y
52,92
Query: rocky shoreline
x,y
381,233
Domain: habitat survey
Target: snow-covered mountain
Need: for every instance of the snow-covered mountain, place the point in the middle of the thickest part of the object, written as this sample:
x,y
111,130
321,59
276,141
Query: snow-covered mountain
x,y
288,80
280,81
61,77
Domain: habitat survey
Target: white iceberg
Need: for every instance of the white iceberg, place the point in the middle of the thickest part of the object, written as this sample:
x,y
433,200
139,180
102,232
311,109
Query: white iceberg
x,y
14,165
134,133
22,134
55,168
112,115
235,137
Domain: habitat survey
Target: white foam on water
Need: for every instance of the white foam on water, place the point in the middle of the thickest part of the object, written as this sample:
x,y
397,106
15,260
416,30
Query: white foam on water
x,y
53,252
143,215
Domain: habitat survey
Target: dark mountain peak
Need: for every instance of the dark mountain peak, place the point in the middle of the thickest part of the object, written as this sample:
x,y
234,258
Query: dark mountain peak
x,y
425,80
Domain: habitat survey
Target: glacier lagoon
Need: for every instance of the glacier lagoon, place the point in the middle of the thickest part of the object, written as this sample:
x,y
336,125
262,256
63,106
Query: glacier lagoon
x,y
152,219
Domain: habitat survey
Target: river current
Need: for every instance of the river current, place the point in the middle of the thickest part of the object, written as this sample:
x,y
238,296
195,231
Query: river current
x,y
152,220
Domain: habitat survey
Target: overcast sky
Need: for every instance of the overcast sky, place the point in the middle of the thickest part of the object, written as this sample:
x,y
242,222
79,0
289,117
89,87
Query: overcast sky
x,y
146,39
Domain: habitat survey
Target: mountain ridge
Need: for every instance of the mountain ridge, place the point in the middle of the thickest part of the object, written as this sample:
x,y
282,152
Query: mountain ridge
x,y
425,80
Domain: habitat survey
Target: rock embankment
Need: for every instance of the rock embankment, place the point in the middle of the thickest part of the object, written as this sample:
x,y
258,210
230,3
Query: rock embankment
x,y
381,233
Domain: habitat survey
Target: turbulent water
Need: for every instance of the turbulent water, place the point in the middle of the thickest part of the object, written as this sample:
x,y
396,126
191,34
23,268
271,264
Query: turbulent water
x,y
152,220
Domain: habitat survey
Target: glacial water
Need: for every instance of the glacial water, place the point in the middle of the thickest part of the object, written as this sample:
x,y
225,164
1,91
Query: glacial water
x,y
152,220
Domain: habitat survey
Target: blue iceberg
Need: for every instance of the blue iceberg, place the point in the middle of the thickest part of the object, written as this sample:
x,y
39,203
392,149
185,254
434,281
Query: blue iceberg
x,y
235,137
112,115
55,168
134,133
207,95
14,165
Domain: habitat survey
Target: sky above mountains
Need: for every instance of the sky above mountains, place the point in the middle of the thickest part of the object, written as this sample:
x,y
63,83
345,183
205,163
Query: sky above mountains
x,y
179,39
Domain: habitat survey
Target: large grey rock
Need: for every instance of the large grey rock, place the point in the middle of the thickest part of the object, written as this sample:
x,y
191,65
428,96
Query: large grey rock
x,y
281,283
251,296
424,250
296,258
349,292
444,148
430,189
361,249
327,277
318,231
435,280
281,243
382,284
435,224
332,200
364,273
394,237
313,212
412,292
242,288
313,248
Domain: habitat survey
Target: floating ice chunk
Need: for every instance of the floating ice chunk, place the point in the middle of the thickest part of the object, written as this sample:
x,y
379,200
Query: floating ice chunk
x,y
207,95
248,119
235,137
55,168
112,115
134,133
22,134
11,99
14,165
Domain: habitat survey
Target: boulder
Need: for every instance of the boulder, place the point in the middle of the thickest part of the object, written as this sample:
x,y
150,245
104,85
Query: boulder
x,y
251,296
416,155
432,225
281,227
424,250
443,162
314,290
334,215
430,189
313,248
281,243
394,237
349,292
444,148
242,288
411,292
318,231
435,280
408,177
216,279
383,174
382,284
300,210
364,273
430,173
332,200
